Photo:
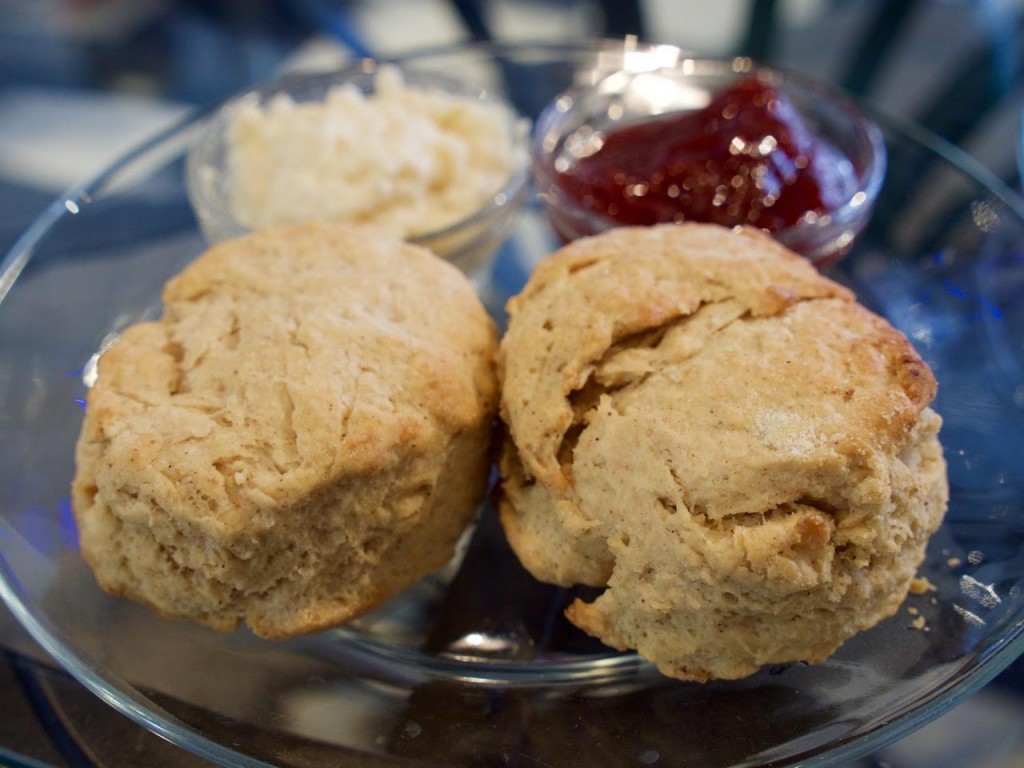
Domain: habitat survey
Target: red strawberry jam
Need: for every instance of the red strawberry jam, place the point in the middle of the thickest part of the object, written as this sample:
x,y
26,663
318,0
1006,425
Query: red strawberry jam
x,y
745,158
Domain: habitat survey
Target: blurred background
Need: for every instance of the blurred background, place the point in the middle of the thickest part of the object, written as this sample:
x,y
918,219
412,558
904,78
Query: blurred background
x,y
83,81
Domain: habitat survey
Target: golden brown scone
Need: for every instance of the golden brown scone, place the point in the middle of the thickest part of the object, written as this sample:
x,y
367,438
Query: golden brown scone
x,y
303,434
723,437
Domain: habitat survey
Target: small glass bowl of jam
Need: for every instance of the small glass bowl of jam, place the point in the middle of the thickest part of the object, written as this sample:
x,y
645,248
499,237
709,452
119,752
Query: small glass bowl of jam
x,y
722,141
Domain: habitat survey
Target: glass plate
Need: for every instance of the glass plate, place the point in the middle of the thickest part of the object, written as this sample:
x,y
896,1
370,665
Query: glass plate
x,y
475,666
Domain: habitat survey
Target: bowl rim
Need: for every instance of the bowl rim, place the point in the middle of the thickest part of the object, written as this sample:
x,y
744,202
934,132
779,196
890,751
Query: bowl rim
x,y
209,206
867,132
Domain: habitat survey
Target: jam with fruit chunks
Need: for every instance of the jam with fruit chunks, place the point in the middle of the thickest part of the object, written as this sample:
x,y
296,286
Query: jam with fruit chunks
x,y
745,158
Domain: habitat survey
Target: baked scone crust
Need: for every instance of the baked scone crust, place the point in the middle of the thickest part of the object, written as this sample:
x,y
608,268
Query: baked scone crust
x,y
302,434
705,425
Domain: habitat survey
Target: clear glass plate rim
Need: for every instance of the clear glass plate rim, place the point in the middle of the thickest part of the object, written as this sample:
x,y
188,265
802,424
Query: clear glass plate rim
x,y
120,695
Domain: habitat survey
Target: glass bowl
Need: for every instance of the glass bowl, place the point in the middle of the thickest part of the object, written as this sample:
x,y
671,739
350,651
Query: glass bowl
x,y
467,241
578,121
476,666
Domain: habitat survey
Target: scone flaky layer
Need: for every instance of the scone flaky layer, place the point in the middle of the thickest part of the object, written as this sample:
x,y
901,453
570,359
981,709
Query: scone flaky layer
x,y
722,437
302,434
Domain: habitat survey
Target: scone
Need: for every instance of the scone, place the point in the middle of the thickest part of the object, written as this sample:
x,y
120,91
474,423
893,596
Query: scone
x,y
303,433
723,438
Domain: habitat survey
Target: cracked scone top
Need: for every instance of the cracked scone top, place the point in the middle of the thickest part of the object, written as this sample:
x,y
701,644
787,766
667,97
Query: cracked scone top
x,y
301,435
724,439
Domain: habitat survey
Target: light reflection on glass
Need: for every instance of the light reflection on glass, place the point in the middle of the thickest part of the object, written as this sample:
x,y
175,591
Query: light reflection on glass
x,y
971,618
